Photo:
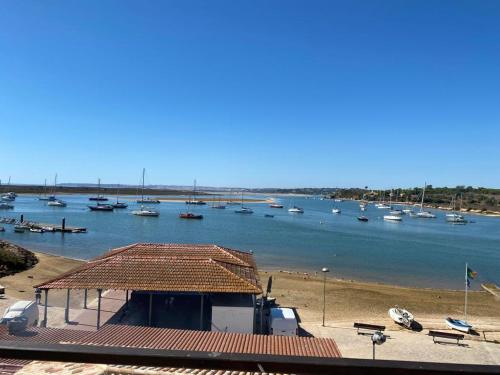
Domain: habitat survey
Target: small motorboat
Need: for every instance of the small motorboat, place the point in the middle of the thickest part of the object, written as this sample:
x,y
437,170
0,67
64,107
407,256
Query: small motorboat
x,y
190,215
196,203
401,316
383,206
407,210
362,218
99,198
336,210
148,201
244,210
56,203
101,207
459,325
455,219
426,215
6,206
19,228
268,215
219,207
145,212
392,218
296,210
120,205
48,229
2,229
397,212
275,205
363,208
36,230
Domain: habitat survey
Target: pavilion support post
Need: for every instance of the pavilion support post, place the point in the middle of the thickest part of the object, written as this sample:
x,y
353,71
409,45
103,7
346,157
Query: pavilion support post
x,y
46,303
254,313
85,298
66,310
99,295
261,315
150,313
126,299
201,313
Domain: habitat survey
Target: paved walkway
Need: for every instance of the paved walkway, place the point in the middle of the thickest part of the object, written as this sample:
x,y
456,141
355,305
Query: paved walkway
x,y
86,319
409,346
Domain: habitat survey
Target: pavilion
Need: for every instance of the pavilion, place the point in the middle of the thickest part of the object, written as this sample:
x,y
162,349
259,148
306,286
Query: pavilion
x,y
208,276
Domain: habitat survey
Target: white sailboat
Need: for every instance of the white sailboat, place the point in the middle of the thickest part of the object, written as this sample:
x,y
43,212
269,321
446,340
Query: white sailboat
x,y
145,211
454,217
459,324
53,201
393,215
243,209
424,214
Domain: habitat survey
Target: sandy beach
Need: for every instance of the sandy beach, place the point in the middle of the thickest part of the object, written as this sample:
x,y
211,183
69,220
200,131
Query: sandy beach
x,y
346,300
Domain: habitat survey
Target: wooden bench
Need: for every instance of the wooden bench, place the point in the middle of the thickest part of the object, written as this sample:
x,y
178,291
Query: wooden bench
x,y
371,327
446,335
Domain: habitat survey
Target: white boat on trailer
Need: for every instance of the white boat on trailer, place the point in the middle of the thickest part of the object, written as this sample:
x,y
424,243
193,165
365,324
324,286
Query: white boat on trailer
x,y
401,316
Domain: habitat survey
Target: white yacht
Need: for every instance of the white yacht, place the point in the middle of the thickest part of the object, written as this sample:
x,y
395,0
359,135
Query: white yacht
x,y
145,211
56,203
392,218
296,210
336,210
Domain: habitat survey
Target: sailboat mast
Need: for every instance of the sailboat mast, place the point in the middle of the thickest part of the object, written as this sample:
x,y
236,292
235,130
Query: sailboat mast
x,y
423,195
466,287
142,191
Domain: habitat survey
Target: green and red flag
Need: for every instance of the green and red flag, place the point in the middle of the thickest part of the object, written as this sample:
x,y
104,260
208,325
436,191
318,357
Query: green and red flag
x,y
471,275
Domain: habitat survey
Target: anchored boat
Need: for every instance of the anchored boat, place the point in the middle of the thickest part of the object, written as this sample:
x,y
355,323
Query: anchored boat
x,y
143,211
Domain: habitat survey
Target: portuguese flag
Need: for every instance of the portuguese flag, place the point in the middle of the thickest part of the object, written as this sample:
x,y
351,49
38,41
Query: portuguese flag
x,y
471,274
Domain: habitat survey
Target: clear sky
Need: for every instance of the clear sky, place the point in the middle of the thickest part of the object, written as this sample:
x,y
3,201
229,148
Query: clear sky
x,y
251,93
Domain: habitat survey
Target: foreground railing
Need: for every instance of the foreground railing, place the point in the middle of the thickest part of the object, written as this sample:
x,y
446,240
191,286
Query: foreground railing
x,y
227,361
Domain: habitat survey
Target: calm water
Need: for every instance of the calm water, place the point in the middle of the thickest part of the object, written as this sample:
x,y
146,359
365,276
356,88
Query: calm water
x,y
420,252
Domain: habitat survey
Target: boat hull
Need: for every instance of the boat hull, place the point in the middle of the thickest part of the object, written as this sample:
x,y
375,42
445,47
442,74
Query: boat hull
x,y
401,316
459,325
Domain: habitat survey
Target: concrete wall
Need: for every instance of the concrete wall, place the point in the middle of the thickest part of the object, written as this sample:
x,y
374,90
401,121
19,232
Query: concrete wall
x,y
232,319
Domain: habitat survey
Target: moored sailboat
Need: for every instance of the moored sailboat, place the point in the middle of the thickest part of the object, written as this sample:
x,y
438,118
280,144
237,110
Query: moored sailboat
x,y
189,214
424,214
144,211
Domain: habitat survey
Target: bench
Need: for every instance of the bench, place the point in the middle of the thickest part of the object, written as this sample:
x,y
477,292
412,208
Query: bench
x,y
371,327
446,335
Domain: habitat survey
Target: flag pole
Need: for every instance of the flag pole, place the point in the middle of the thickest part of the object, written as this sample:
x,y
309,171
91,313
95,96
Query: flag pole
x,y
466,287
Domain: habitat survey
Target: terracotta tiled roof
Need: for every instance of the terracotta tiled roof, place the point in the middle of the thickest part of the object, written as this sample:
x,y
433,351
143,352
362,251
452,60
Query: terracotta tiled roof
x,y
185,340
205,341
165,267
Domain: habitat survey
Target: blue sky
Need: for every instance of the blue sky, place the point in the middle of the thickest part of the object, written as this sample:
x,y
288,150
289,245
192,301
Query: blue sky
x,y
251,93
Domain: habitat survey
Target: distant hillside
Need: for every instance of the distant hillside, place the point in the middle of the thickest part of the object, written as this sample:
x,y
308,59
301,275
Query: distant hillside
x,y
91,189
483,199
14,259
